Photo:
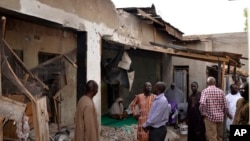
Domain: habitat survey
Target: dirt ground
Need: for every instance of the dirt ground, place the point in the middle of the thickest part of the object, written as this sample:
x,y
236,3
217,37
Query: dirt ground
x,y
177,131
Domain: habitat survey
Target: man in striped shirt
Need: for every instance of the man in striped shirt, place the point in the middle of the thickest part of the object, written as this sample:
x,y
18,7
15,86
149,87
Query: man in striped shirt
x,y
213,107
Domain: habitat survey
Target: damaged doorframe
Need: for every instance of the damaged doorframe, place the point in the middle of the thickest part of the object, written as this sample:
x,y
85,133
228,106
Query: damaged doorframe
x,y
68,57
39,108
1,44
41,130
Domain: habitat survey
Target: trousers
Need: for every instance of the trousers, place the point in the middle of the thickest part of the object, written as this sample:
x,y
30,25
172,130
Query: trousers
x,y
157,134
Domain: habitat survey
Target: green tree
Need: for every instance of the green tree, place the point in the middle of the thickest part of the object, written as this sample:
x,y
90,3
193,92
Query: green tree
x,y
246,21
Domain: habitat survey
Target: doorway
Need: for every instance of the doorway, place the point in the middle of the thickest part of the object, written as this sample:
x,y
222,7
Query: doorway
x,y
181,79
81,63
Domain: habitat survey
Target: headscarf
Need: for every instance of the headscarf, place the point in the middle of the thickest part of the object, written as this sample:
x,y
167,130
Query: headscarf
x,y
117,107
175,94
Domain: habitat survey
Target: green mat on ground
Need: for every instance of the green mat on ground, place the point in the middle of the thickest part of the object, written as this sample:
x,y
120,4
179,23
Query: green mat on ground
x,y
107,121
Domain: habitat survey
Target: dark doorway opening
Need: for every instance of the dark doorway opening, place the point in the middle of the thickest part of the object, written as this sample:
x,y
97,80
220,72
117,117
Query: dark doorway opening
x,y
81,63
50,77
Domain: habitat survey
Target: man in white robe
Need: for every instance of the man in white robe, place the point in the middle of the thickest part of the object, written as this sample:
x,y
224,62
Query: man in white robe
x,y
232,98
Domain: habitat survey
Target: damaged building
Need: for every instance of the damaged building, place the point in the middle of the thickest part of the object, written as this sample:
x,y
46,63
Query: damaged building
x,y
234,46
50,49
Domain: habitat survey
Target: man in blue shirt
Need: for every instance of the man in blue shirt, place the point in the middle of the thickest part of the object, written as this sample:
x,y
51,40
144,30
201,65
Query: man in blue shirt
x,y
158,115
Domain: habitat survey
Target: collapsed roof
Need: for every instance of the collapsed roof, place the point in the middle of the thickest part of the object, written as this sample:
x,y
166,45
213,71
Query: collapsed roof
x,y
149,14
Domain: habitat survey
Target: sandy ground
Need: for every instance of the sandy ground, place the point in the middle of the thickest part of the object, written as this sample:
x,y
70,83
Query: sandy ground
x,y
177,131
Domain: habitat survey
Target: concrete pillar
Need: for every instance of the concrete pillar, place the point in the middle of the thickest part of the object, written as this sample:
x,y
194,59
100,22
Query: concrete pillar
x,y
94,66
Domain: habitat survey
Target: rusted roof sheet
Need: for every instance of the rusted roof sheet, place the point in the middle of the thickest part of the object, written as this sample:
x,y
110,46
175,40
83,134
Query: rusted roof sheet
x,y
149,13
209,56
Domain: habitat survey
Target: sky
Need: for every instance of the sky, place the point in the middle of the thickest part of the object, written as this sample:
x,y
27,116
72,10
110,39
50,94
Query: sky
x,y
197,17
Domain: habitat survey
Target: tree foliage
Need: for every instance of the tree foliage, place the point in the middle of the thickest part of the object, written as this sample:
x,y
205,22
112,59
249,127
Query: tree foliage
x,y
246,21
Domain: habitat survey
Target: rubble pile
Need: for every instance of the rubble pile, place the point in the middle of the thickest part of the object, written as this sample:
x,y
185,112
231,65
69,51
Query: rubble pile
x,y
172,135
125,133
129,133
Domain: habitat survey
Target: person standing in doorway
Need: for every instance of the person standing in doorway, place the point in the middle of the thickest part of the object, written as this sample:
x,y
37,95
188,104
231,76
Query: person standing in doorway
x,y
196,126
158,115
213,108
144,102
174,96
86,126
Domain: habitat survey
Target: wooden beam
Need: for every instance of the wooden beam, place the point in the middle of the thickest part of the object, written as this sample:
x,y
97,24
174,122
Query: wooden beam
x,y
201,57
47,62
208,58
167,27
219,76
233,61
228,67
56,101
173,32
3,20
20,62
222,75
149,17
60,91
18,83
70,61
2,32
1,128
55,59
40,119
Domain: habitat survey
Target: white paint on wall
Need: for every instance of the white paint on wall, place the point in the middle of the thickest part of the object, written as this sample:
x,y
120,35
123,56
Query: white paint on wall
x,y
94,64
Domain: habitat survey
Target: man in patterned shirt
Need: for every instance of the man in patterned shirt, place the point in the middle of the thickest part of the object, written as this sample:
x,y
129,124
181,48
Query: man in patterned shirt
x,y
213,107
144,101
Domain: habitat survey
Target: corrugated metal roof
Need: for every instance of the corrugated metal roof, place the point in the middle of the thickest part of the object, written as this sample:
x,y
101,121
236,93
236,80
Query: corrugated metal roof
x,y
149,13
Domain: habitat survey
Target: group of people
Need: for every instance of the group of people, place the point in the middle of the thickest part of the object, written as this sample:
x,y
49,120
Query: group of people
x,y
152,117
205,112
153,112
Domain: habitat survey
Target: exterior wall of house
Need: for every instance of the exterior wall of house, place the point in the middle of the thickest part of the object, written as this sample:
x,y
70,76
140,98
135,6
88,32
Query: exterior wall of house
x,y
137,33
34,38
228,42
197,69
167,69
232,42
98,18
